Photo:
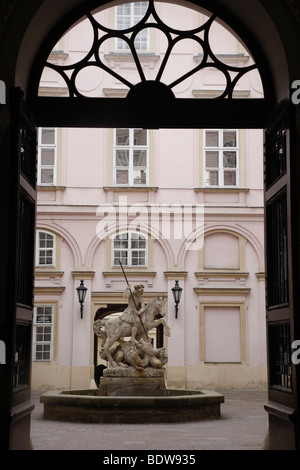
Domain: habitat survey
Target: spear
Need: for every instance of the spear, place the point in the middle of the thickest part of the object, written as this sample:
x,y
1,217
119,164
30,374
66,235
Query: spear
x,y
133,300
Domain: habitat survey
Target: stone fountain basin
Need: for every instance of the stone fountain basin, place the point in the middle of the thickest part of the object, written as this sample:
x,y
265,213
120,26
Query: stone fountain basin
x,y
85,406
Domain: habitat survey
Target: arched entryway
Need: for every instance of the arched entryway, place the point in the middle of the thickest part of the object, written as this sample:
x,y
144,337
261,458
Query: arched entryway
x,y
280,68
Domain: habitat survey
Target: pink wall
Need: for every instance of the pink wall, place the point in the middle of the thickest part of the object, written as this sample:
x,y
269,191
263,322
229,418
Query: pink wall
x,y
235,217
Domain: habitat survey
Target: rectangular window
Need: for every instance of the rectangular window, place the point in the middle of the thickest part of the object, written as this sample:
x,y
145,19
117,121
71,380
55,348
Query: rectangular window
x,y
131,155
221,158
43,333
128,15
45,249
47,156
130,249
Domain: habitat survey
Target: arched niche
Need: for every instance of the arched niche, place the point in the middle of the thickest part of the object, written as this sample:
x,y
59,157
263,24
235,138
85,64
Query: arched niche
x,y
222,250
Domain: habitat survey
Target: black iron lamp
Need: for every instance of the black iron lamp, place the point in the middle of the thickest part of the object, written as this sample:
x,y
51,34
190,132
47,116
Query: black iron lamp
x,y
81,292
176,291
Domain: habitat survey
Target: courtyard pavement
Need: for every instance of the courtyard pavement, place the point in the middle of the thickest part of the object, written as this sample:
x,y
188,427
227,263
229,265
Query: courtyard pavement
x,y
242,426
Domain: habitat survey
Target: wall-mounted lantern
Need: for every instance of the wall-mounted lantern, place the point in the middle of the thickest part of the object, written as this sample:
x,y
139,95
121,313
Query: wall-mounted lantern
x,y
81,292
176,291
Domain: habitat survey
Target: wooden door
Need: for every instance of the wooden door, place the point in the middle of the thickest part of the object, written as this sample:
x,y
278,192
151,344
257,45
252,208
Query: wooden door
x,y
281,291
23,207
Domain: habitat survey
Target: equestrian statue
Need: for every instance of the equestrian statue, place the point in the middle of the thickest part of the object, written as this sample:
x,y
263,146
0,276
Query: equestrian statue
x,y
135,322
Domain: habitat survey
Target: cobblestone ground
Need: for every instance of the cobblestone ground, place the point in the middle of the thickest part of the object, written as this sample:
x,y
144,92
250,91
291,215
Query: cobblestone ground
x,y
242,426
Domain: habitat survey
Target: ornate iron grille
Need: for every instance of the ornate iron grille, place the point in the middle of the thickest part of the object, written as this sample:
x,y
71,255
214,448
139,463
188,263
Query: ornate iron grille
x,y
25,255
22,355
28,152
151,20
277,253
276,152
280,357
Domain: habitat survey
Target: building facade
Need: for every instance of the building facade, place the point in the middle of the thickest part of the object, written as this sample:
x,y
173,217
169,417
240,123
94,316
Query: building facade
x,y
170,204
272,33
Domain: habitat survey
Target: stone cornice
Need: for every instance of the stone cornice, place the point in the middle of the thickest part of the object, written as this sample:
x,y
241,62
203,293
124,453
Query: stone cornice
x,y
51,188
111,297
261,276
221,291
39,273
129,273
58,55
226,58
175,275
130,188
209,93
125,57
81,274
222,274
221,190
48,290
53,91
115,92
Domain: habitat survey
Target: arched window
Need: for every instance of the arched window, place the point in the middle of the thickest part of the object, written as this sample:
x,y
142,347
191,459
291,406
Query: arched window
x,y
130,248
45,249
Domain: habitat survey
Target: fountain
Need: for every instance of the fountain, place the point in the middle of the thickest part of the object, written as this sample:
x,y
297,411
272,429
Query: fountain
x,y
133,387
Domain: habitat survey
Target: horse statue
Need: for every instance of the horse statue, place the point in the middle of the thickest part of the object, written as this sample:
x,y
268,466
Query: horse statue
x,y
112,329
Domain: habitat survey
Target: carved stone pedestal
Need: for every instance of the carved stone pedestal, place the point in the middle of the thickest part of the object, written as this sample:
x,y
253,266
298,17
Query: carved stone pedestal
x,y
130,382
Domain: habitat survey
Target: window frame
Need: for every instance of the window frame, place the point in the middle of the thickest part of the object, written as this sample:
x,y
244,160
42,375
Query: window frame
x,y
129,250
35,342
38,249
131,148
42,146
221,169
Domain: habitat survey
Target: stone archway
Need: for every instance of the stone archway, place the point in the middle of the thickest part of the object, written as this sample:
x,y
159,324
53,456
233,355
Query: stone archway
x,y
139,106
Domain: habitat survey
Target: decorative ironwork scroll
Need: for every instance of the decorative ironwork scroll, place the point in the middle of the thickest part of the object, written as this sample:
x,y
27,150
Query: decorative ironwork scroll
x,y
280,351
277,252
207,59
276,152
